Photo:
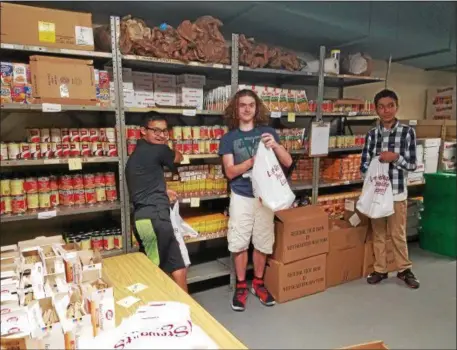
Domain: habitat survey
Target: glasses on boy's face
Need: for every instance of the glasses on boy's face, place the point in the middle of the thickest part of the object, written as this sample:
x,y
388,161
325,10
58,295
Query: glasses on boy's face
x,y
158,131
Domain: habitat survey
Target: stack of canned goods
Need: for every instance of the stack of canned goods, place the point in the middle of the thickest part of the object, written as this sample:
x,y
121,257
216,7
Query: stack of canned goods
x,y
346,141
185,139
291,139
62,143
104,239
29,194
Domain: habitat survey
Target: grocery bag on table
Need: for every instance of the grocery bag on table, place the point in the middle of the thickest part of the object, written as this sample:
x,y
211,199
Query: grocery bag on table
x,y
181,229
269,182
376,200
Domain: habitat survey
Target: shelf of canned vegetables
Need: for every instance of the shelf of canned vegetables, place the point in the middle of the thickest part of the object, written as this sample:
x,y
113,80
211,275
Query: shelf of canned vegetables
x,y
68,158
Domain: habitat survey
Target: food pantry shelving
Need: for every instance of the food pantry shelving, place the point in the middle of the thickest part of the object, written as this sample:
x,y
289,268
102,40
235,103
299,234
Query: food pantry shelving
x,y
229,73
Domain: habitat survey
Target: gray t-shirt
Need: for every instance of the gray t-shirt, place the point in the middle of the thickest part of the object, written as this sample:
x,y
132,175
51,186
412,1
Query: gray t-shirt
x,y
232,143
145,176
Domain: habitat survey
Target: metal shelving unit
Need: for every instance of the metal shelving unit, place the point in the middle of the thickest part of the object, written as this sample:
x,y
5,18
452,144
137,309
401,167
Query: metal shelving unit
x,y
42,162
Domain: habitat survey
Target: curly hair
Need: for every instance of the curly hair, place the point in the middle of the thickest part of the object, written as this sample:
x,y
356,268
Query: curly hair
x,y
231,111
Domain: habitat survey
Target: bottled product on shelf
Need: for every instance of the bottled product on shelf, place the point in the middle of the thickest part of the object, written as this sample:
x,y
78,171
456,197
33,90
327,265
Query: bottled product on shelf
x,y
58,143
103,239
21,195
346,141
198,181
185,139
211,225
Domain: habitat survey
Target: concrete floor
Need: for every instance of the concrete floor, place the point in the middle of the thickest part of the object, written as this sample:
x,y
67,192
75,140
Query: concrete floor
x,y
352,313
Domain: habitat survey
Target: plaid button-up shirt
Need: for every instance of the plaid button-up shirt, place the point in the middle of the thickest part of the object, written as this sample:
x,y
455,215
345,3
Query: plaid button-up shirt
x,y
401,139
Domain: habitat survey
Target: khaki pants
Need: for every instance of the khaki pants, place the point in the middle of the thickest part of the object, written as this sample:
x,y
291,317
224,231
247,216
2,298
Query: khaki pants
x,y
393,227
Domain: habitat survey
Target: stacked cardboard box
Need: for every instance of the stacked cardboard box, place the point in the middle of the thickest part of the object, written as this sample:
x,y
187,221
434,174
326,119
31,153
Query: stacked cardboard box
x,y
431,154
417,176
298,264
143,87
449,158
190,90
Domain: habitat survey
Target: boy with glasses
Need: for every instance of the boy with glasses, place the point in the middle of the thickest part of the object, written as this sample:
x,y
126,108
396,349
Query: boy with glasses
x,y
151,199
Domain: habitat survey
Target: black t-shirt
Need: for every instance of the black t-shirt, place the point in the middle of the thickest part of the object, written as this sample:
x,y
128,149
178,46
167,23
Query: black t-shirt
x,y
145,176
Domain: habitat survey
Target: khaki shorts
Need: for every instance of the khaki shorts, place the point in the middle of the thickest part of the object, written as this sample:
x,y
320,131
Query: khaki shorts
x,y
249,218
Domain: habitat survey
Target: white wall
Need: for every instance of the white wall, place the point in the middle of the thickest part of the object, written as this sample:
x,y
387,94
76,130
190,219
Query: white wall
x,y
409,83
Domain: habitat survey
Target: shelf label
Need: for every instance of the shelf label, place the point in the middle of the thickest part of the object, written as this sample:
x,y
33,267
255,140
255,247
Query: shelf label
x,y
185,200
51,161
218,65
413,122
291,117
51,107
7,46
189,112
352,114
75,164
275,115
186,159
194,202
47,214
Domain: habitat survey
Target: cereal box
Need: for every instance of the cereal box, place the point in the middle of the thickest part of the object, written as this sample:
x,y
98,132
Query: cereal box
x,y
18,93
6,94
6,73
21,73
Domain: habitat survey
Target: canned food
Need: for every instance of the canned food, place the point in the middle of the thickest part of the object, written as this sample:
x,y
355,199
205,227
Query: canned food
x,y
102,134
18,205
77,181
45,200
110,134
110,178
33,201
110,149
97,149
44,184
56,135
66,198
108,241
53,183
35,152
65,135
74,135
89,180
65,182
96,242
31,185
5,189
66,149
214,147
170,144
179,146
195,147
111,193
85,149
75,149
5,205
100,194
3,151
118,241
93,135
56,150
17,187
131,145
24,150
13,151
131,132
218,132
33,135
79,197
45,135
54,197
85,242
196,132
84,135
45,150
186,133
177,133
187,147
332,142
204,133
90,197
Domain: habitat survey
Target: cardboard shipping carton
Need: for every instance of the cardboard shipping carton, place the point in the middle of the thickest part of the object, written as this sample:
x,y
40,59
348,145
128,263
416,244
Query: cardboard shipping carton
x,y
30,25
295,280
346,252
300,233
63,80
375,345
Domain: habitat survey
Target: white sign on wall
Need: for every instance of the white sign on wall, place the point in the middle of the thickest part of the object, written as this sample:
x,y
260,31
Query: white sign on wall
x,y
441,103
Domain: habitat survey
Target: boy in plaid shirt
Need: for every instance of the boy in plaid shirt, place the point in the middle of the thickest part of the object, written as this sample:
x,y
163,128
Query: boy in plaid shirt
x,y
395,144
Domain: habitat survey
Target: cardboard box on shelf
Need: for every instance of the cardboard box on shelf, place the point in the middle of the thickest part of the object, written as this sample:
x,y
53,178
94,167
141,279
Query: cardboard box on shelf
x,y
191,80
63,80
295,280
300,233
375,345
164,80
144,99
91,265
35,243
429,142
368,259
30,25
143,81
346,252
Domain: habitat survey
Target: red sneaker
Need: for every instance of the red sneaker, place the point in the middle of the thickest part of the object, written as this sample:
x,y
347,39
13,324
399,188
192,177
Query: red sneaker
x,y
261,292
240,296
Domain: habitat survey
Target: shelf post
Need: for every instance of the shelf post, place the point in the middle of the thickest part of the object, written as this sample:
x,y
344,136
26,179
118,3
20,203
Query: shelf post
x,y
120,130
235,64
320,98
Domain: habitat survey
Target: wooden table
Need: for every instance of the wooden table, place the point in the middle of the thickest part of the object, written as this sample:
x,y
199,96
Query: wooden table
x,y
125,270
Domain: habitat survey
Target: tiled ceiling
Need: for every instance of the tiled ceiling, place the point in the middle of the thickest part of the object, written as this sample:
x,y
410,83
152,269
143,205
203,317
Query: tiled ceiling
x,y
417,33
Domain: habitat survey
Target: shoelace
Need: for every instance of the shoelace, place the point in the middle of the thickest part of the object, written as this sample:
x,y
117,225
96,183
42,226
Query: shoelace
x,y
241,292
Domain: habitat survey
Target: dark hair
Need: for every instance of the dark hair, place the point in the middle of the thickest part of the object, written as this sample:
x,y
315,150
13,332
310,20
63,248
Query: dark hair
x,y
385,93
152,117
231,111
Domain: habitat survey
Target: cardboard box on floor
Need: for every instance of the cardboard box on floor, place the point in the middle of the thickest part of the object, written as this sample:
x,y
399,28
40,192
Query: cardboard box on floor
x,y
30,25
63,80
375,345
300,233
346,252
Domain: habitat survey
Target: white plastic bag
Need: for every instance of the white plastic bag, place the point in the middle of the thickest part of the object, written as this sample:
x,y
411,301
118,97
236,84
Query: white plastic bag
x,y
269,182
182,229
376,200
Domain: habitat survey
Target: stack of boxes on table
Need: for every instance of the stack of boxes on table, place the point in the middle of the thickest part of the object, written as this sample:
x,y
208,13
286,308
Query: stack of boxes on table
x,y
147,90
313,252
52,294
